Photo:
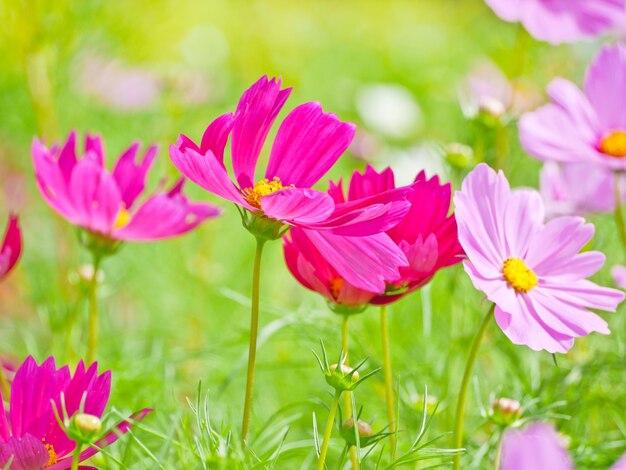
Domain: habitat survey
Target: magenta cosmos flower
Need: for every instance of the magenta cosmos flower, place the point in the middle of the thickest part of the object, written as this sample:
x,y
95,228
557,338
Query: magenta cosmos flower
x,y
536,447
427,235
11,248
308,143
583,127
30,434
560,21
529,269
107,203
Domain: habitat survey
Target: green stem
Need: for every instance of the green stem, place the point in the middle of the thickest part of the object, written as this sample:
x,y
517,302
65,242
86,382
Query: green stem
x,y
329,429
496,462
469,365
76,456
4,384
254,331
389,396
92,341
619,216
354,458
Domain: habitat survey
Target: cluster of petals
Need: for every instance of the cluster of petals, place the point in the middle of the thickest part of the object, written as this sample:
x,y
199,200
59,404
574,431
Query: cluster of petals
x,y
562,21
539,447
531,270
426,235
107,203
307,144
11,247
583,126
30,435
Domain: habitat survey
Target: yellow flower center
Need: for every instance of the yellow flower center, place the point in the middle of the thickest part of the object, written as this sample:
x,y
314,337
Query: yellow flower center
x,y
122,219
614,144
519,276
335,286
52,455
262,188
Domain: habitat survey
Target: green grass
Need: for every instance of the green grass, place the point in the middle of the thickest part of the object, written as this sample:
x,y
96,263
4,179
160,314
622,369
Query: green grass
x,y
176,313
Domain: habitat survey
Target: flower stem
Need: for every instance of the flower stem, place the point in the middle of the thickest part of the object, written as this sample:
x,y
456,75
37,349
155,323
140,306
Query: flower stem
x,y
496,462
76,456
348,396
469,365
391,409
92,340
4,384
254,331
329,429
619,216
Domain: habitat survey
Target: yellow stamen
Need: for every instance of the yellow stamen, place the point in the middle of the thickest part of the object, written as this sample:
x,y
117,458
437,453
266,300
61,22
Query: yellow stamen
x,y
614,144
52,455
519,276
122,219
335,287
262,188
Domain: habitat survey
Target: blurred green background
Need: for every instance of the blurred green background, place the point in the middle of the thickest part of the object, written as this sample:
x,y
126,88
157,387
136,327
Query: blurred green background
x,y
175,313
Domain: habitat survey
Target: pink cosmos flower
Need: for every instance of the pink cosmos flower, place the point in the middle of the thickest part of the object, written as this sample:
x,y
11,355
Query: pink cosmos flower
x,y
560,21
107,203
11,247
529,269
576,189
30,433
427,235
536,447
309,141
583,127
619,275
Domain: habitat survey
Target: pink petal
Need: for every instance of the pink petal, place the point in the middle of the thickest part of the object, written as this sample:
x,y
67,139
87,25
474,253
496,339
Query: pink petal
x,y
256,112
364,262
25,453
93,145
67,157
298,206
5,431
619,276
585,294
537,447
165,216
307,145
370,183
336,191
216,135
208,173
131,177
11,247
606,85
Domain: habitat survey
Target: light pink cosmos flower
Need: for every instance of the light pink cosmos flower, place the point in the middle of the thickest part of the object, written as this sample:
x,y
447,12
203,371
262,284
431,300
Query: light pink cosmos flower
x,y
561,21
583,127
11,247
30,433
619,276
536,447
107,203
576,189
529,269
308,143
427,235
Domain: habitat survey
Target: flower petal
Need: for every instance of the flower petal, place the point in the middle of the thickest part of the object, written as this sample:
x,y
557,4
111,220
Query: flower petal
x,y
298,206
216,135
537,447
207,172
256,112
606,86
11,247
131,177
370,183
307,145
25,453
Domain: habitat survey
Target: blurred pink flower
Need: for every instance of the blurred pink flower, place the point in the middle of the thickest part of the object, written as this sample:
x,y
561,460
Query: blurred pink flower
x,y
560,21
11,247
30,434
576,189
587,127
307,145
85,193
619,276
118,85
529,269
427,235
620,464
486,90
536,447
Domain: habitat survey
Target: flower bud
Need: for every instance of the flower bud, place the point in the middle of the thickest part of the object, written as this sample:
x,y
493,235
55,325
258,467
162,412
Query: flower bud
x,y
506,411
87,426
458,155
366,434
491,107
342,379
